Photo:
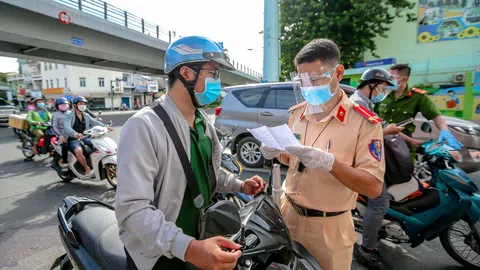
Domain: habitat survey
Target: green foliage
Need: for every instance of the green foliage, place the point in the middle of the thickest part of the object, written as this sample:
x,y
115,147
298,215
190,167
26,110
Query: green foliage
x,y
3,77
352,24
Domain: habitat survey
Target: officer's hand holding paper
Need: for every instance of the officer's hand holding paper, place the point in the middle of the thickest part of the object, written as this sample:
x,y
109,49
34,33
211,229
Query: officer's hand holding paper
x,y
278,137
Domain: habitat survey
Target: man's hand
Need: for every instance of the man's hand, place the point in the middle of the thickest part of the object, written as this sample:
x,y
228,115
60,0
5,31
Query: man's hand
x,y
78,136
208,254
36,123
268,152
63,140
110,129
446,135
99,119
392,129
416,143
253,186
312,157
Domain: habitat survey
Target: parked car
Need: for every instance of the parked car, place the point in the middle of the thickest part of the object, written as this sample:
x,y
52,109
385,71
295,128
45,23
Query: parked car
x,y
255,105
6,109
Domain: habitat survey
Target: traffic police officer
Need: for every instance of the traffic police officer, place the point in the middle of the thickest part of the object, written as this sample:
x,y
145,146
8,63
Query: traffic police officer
x,y
341,154
405,103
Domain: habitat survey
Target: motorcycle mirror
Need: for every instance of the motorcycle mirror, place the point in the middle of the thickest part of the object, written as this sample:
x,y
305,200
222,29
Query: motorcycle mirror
x,y
110,123
221,218
425,127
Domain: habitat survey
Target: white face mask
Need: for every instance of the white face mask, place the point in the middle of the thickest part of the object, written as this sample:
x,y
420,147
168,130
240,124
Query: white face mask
x,y
82,108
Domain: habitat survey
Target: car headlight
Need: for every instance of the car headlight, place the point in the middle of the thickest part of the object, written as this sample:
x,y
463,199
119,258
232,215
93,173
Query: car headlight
x,y
466,130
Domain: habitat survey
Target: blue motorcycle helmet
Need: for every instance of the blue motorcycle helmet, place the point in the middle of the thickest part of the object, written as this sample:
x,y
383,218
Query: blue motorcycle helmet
x,y
194,51
79,99
60,100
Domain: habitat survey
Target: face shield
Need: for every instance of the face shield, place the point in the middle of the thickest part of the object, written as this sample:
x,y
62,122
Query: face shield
x,y
382,93
316,90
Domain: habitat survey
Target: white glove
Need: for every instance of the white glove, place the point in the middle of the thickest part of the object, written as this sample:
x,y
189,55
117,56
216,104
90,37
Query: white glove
x,y
269,152
312,157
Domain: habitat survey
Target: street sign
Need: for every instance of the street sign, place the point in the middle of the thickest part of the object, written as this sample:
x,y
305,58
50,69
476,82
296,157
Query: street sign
x,y
152,86
78,41
64,17
378,62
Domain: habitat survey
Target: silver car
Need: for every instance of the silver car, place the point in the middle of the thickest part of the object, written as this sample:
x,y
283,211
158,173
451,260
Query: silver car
x,y
255,105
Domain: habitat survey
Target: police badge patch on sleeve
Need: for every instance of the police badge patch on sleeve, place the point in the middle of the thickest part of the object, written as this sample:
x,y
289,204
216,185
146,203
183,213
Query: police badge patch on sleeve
x,y
375,148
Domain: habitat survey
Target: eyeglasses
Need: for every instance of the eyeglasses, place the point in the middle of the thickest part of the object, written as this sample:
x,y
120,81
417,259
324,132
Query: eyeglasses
x,y
396,77
306,80
214,72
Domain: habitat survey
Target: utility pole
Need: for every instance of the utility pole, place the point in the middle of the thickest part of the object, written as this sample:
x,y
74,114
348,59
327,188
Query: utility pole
x,y
271,41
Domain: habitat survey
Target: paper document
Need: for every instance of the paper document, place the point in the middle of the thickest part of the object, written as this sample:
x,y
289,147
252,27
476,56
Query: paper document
x,y
277,137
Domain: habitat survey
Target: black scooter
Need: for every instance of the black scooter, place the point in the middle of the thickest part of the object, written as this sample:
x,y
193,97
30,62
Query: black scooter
x,y
88,230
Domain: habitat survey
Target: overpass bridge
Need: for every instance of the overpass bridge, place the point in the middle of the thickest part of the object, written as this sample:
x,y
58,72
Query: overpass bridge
x,y
91,33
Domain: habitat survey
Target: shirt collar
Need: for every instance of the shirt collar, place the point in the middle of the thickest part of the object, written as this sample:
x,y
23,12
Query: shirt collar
x,y
340,111
365,98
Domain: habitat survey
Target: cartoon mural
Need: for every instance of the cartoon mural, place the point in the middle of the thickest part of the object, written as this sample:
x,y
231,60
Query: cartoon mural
x,y
442,20
449,98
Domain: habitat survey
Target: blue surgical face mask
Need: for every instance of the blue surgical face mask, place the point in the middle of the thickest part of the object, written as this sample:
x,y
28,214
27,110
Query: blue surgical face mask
x,y
394,86
378,98
41,105
317,95
212,91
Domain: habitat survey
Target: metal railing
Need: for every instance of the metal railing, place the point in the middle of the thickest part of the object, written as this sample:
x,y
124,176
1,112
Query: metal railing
x,y
124,18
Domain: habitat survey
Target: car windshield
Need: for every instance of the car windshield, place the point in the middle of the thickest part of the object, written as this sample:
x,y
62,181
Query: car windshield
x,y
3,102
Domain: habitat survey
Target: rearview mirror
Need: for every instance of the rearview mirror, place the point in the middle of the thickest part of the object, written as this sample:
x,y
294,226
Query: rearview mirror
x,y
100,112
221,218
110,123
425,127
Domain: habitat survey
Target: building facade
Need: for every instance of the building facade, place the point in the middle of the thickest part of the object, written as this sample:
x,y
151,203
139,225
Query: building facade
x,y
442,47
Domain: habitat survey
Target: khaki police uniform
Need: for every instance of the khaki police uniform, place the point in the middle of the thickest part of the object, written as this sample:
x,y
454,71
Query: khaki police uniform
x,y
356,138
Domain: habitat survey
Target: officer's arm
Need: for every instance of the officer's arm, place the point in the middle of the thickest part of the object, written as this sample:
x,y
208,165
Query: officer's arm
x,y
430,111
367,176
440,122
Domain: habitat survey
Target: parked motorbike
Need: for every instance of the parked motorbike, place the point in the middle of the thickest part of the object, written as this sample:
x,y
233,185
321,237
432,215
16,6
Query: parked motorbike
x,y
27,140
102,159
229,162
445,207
89,234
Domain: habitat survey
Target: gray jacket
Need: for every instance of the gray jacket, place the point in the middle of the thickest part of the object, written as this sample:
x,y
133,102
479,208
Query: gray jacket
x,y
69,121
151,184
58,123
362,100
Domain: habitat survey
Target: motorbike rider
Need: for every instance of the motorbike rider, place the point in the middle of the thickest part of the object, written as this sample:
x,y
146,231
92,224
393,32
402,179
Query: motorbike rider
x,y
156,214
58,118
75,123
373,88
35,117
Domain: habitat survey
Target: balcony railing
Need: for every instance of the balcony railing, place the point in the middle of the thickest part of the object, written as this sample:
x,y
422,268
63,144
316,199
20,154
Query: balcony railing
x,y
124,18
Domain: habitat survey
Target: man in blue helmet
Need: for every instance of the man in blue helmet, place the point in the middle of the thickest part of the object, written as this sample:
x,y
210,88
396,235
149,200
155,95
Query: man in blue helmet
x,y
155,209
75,123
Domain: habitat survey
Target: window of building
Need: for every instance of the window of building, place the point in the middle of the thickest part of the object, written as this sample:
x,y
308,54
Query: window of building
x,y
66,84
49,66
51,83
83,82
101,82
56,66
58,83
46,82
45,64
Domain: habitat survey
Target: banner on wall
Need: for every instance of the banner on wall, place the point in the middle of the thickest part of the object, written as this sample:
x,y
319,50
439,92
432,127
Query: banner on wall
x,y
443,20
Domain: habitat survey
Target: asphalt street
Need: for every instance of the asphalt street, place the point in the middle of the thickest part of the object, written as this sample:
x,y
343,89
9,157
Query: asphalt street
x,y
31,192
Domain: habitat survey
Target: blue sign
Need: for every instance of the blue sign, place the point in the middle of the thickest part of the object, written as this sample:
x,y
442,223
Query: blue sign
x,y
141,88
264,81
68,97
78,41
378,62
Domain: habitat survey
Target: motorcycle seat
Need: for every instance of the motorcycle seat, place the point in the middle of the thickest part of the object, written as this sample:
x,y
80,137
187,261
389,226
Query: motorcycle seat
x,y
97,231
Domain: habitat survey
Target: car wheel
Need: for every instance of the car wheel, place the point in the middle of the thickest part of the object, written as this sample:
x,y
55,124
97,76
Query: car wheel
x,y
421,169
248,152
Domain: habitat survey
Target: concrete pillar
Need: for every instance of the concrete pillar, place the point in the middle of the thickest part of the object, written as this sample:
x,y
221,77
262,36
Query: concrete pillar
x,y
271,44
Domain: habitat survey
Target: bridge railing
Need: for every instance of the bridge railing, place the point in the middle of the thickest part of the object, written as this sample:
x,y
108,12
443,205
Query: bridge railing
x,y
118,16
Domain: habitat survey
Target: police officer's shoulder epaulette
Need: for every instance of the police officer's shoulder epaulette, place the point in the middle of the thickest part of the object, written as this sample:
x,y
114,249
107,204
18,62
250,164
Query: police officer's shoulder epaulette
x,y
419,91
370,116
299,105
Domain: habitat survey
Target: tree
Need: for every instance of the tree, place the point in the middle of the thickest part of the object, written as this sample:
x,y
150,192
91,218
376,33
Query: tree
x,y
3,77
351,24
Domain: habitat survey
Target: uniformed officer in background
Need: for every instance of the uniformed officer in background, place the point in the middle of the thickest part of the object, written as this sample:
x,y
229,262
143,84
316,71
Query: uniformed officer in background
x,y
341,154
405,103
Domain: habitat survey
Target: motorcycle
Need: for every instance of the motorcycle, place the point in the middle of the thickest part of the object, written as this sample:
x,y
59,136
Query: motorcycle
x,y
229,162
257,225
27,140
445,207
102,159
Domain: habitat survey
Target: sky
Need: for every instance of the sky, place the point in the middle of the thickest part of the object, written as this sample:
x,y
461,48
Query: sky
x,y
235,23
